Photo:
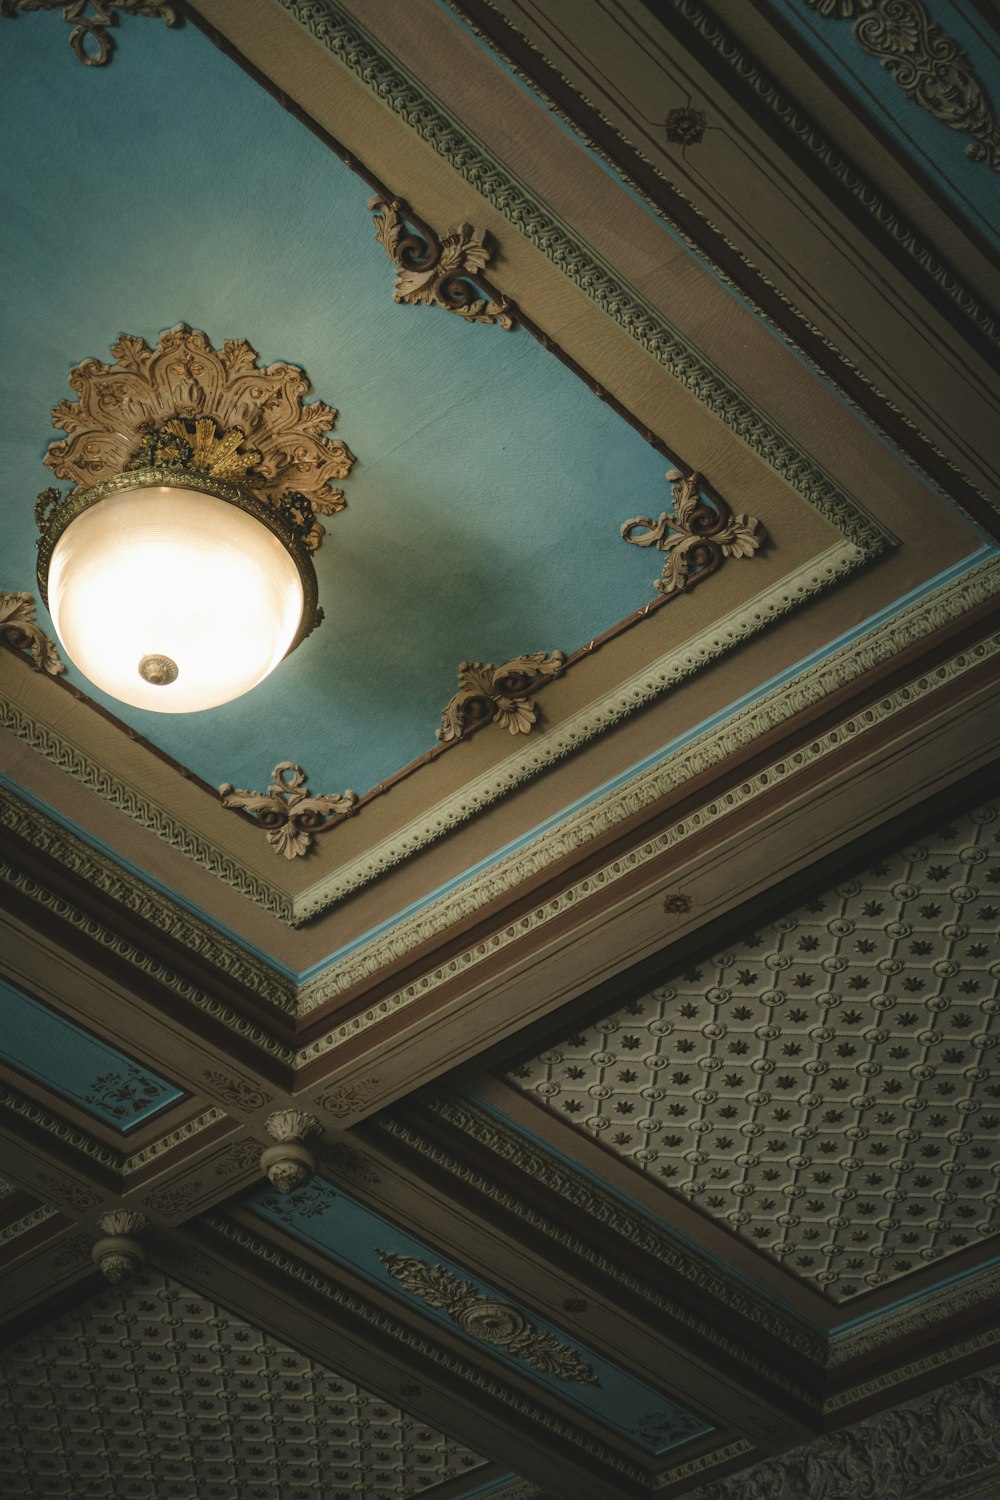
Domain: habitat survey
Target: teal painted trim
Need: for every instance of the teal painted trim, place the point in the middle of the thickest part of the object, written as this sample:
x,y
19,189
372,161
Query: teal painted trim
x,y
79,1066
708,265
471,1097
101,847
490,1488
349,1234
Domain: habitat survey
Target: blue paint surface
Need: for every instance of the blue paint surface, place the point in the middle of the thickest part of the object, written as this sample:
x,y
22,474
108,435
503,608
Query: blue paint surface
x,y
77,1065
934,147
484,511
351,1235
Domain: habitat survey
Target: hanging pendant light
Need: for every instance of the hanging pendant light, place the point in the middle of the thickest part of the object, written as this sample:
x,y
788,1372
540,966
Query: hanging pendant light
x,y
172,588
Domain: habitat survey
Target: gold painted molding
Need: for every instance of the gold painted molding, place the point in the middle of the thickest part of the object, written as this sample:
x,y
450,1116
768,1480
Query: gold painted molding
x,y
91,37
696,537
288,811
17,625
498,695
183,379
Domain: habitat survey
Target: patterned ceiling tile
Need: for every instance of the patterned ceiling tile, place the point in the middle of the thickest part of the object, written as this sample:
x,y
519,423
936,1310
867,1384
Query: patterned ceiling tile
x,y
152,1392
826,1088
101,1080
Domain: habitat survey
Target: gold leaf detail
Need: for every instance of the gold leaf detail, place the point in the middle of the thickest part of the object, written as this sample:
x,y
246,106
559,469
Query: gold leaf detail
x,y
288,811
498,694
437,272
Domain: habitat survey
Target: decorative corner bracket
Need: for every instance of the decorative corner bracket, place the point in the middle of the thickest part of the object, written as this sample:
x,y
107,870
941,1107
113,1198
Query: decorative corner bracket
x,y
91,37
440,272
499,695
928,66
214,411
17,625
696,537
487,1319
288,810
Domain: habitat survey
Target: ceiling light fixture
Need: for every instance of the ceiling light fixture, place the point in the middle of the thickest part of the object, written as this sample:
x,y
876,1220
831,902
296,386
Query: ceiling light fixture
x,y
171,586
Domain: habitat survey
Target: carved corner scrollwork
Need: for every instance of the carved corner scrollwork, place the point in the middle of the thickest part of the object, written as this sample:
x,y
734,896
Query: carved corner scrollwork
x,y
487,1318
215,411
696,537
928,66
500,695
439,272
288,811
17,625
91,37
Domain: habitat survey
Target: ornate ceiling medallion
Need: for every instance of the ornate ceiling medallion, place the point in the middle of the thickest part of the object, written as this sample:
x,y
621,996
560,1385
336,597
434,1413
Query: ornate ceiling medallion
x,y
17,625
91,38
289,812
927,65
487,1318
696,537
125,408
439,272
497,695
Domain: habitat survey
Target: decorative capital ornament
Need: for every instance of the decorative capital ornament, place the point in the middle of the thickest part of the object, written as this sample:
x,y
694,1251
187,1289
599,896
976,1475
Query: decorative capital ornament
x,y
118,1253
17,625
213,412
487,1318
499,695
91,20
440,272
288,811
289,1164
696,537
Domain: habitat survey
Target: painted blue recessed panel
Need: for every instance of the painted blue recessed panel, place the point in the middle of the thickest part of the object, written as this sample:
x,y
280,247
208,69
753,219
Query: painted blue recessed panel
x,y
77,1065
352,1235
934,146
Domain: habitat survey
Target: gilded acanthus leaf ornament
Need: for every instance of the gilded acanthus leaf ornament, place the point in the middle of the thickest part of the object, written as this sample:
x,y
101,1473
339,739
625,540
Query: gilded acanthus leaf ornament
x,y
487,1318
695,537
17,625
498,694
289,812
438,272
241,422
927,65
92,20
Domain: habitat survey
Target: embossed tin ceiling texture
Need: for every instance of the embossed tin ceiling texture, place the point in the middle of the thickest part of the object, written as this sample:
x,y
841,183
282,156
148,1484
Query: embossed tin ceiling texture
x,y
638,1039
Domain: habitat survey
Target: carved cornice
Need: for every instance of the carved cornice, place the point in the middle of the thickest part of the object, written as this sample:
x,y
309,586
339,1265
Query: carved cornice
x,y
438,272
18,628
497,695
259,410
928,66
695,537
13,1231
487,1318
92,20
359,51
288,812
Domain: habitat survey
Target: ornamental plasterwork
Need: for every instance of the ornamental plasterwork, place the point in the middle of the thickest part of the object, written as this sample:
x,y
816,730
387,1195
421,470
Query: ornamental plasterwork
x,y
696,537
91,20
17,625
288,811
487,1318
499,695
156,1392
826,1088
184,378
438,272
927,65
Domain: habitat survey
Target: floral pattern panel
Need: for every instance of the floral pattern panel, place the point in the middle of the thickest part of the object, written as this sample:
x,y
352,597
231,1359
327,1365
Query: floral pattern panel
x,y
826,1087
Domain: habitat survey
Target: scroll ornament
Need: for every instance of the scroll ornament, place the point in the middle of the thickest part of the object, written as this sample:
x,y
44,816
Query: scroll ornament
x,y
498,694
487,1318
215,410
289,812
17,625
927,65
91,37
696,537
438,272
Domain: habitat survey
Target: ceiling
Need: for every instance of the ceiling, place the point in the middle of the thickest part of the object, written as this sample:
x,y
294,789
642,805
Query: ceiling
x,y
643,1030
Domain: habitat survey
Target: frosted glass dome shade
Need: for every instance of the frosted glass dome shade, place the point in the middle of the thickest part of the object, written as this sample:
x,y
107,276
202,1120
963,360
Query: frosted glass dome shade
x,y
173,599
